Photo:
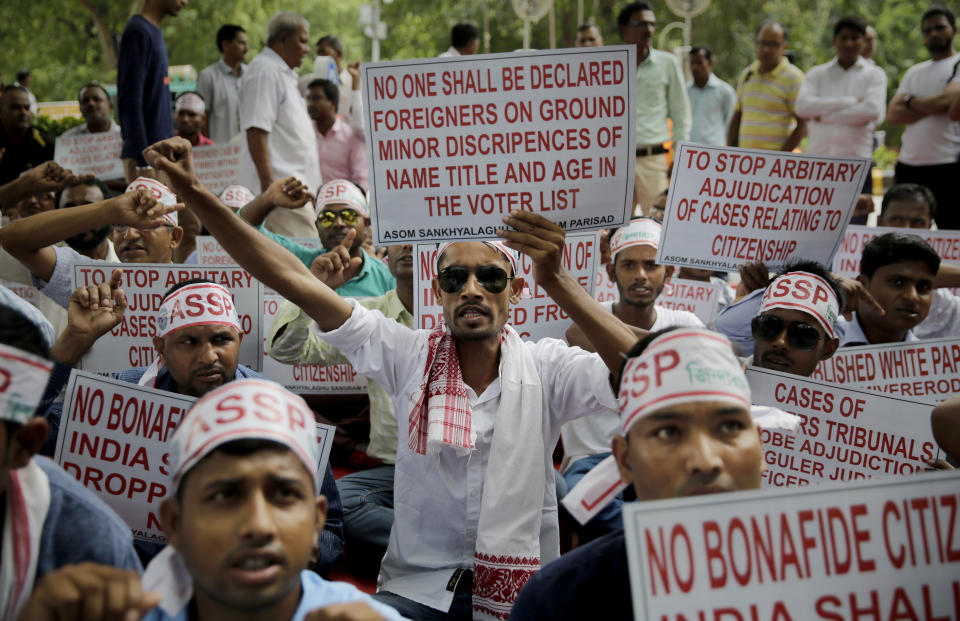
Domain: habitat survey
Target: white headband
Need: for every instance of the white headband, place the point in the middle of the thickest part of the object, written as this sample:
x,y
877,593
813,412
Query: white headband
x,y
642,231
191,102
200,304
236,196
23,378
158,191
807,293
248,409
342,192
510,254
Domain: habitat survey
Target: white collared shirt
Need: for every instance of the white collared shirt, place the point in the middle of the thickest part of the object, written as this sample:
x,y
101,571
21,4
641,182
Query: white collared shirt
x,y
934,139
83,130
848,103
270,100
437,497
220,88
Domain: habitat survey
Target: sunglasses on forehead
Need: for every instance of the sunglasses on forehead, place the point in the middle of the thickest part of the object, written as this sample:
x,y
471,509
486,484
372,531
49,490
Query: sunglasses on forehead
x,y
800,334
454,277
349,217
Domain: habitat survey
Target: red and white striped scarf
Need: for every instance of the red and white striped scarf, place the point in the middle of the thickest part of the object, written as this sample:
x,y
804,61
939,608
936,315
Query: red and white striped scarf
x,y
508,532
28,501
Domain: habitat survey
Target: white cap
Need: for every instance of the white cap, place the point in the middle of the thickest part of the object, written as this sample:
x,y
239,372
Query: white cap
x,y
23,378
160,192
342,192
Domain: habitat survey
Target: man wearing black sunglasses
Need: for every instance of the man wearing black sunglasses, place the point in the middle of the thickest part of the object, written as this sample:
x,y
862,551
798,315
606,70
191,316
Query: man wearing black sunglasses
x,y
475,502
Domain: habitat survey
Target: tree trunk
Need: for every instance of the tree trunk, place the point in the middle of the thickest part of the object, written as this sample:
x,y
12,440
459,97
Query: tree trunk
x,y
104,34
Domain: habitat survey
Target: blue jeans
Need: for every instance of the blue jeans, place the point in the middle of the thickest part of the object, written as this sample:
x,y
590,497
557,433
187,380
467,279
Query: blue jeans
x,y
367,498
610,517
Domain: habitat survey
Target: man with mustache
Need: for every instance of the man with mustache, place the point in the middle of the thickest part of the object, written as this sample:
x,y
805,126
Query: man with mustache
x,y
475,498
196,354
95,243
368,494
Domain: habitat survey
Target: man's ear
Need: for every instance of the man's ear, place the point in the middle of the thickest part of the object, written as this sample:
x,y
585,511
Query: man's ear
x,y
176,236
620,447
437,292
170,519
516,289
612,271
27,441
321,513
158,345
668,273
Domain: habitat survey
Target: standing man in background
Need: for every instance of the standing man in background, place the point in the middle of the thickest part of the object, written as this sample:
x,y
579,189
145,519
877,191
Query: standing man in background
x,y
219,84
143,86
711,99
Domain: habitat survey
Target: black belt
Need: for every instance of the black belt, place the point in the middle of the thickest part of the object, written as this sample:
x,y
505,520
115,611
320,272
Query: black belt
x,y
653,149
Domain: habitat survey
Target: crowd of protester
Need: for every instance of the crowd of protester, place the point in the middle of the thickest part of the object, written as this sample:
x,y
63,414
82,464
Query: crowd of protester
x,y
461,517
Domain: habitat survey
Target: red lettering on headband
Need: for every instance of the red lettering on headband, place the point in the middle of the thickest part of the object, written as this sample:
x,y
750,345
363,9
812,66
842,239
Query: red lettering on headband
x,y
194,304
5,379
820,295
672,361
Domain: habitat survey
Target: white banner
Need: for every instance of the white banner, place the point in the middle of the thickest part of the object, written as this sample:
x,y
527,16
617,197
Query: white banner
x,y
130,344
927,370
873,550
218,165
846,433
730,206
113,440
91,154
700,298
536,315
303,379
454,144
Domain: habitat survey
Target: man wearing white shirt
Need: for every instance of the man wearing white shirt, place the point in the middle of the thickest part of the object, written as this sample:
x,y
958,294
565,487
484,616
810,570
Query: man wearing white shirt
x,y
843,100
930,146
219,84
95,106
273,114
475,502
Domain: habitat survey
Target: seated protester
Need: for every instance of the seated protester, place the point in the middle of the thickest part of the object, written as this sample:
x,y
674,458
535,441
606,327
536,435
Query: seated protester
x,y
341,206
912,206
475,511
685,435
368,494
94,244
144,231
897,273
189,114
195,354
243,523
639,280
49,519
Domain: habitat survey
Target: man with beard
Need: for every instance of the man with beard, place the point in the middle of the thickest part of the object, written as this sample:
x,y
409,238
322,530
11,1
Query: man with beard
x,y
367,494
640,280
197,352
94,243
930,146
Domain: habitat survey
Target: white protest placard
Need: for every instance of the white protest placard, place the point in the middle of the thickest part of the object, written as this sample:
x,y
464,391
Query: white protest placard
x,y
27,293
536,315
928,370
303,379
130,344
872,550
730,206
91,154
847,261
454,144
694,296
211,252
218,165
845,433
113,439
604,289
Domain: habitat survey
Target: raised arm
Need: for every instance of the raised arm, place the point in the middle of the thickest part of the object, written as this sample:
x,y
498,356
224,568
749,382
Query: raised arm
x,y
47,177
542,240
289,193
266,260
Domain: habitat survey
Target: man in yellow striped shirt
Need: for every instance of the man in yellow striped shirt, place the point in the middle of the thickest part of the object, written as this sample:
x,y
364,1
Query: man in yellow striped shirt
x,y
766,94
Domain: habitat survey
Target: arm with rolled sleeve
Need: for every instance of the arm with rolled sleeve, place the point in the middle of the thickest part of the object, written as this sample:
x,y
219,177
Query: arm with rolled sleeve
x,y
678,104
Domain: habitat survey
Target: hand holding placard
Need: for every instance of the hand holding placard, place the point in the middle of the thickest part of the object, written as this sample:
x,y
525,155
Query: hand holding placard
x,y
538,238
93,311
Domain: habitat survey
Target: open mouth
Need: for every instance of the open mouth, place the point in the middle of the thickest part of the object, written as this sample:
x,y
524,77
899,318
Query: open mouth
x,y
776,362
256,568
472,313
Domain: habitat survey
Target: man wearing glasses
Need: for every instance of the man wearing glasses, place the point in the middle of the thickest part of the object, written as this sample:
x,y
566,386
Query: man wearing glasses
x,y
479,410
32,240
661,94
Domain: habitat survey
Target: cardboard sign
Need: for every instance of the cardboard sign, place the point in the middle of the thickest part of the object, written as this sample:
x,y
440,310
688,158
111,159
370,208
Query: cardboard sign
x,y
604,289
130,344
536,315
729,206
218,165
303,379
700,298
91,154
454,144
845,433
211,252
113,439
928,370
873,550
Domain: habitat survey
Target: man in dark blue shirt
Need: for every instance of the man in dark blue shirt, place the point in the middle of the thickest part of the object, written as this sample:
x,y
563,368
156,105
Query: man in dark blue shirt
x,y
143,93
